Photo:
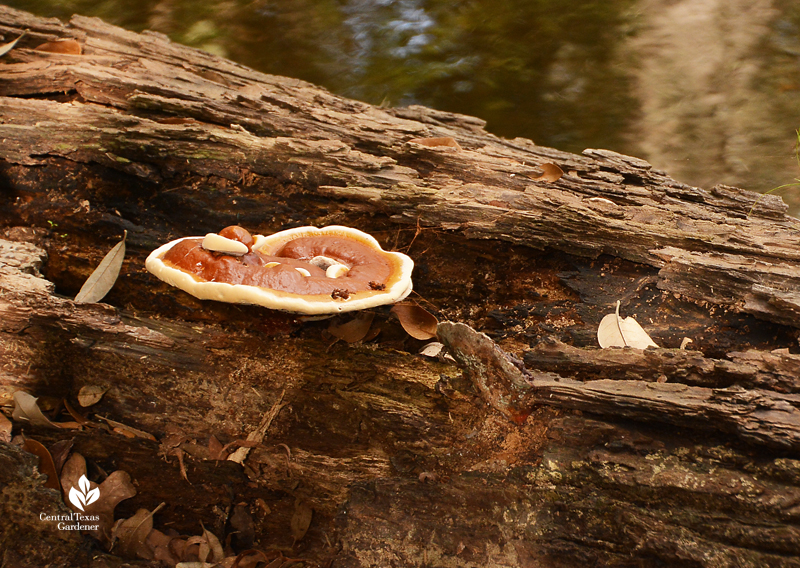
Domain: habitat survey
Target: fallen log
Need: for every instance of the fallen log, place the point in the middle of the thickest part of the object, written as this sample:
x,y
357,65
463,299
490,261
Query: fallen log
x,y
616,457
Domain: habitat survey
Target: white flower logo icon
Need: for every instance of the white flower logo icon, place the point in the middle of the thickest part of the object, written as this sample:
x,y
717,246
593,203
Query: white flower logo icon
x,y
85,496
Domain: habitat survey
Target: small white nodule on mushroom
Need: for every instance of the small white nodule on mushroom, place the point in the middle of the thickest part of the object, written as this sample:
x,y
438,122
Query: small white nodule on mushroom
x,y
333,268
323,262
302,271
336,270
271,264
218,243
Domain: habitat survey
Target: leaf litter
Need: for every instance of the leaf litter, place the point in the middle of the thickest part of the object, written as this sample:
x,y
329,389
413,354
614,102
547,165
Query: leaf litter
x,y
6,47
353,330
551,173
115,488
47,465
614,331
418,322
104,276
91,394
27,410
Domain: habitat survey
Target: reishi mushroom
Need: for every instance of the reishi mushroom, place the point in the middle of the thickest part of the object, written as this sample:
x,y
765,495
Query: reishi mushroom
x,y
306,270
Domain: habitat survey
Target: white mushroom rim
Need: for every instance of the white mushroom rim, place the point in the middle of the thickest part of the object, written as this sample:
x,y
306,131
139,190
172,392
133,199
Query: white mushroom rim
x,y
340,271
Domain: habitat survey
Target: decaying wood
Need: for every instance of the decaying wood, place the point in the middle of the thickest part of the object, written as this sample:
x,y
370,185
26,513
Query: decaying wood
x,y
616,457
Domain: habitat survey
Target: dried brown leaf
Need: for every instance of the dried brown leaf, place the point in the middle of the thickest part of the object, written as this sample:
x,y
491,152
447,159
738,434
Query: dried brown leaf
x,y
551,173
79,418
446,141
128,431
418,322
104,276
249,559
353,330
161,545
46,464
209,548
26,410
116,487
65,46
91,394
60,452
130,536
216,451
6,47
301,519
5,428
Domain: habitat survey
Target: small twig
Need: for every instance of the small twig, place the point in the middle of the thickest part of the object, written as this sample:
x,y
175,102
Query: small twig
x,y
257,435
288,459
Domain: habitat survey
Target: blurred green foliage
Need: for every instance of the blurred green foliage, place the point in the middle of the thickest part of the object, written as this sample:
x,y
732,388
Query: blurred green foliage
x,y
542,69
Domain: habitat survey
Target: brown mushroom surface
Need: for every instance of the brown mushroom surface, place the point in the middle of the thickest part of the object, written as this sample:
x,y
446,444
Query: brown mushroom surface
x,y
284,271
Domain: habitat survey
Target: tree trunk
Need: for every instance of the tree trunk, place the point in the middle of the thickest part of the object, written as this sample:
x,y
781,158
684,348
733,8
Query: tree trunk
x,y
608,457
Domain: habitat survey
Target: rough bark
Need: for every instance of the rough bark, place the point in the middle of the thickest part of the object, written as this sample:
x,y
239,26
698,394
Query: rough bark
x,y
611,457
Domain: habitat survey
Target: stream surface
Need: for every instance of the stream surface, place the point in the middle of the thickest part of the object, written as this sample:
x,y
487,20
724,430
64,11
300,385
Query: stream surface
x,y
707,90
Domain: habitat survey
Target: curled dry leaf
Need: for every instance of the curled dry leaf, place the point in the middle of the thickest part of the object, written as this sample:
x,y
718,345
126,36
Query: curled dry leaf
x,y
91,394
353,330
301,519
686,341
161,545
116,487
432,349
26,410
130,536
65,46
614,331
551,173
104,276
80,419
418,322
446,141
210,549
6,47
46,464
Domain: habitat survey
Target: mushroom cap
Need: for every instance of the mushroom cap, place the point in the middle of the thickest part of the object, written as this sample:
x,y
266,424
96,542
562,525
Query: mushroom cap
x,y
324,295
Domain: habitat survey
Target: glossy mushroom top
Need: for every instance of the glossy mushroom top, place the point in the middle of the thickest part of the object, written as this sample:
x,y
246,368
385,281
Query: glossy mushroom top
x,y
305,270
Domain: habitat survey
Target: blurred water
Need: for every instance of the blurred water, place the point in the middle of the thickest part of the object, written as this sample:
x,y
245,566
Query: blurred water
x,y
708,90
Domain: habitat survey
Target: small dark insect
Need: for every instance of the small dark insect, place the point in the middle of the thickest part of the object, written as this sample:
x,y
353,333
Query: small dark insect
x,y
338,293
376,285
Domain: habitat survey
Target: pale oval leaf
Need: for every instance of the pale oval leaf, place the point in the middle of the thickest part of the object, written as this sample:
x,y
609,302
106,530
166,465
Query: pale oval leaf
x,y
614,331
6,47
301,519
432,349
91,394
104,276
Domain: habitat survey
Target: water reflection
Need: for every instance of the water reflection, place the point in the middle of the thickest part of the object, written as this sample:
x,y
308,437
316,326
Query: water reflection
x,y
708,90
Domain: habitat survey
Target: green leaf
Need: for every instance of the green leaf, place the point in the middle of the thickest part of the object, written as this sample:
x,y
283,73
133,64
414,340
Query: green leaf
x,y
104,276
